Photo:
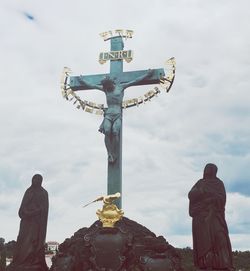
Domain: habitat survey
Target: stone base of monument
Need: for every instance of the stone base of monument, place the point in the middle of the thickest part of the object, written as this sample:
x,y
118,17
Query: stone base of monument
x,y
230,269
128,246
38,267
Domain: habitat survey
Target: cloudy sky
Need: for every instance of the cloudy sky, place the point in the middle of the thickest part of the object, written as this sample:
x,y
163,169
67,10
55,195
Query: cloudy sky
x,y
166,143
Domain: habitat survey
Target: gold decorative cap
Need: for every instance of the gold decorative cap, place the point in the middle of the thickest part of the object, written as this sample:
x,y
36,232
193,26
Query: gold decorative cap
x,y
110,213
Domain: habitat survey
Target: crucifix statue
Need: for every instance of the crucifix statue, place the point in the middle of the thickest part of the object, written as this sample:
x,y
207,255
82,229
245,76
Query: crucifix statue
x,y
111,124
113,85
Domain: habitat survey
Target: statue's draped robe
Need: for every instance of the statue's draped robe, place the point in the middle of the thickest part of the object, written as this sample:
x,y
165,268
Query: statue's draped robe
x,y
211,244
31,238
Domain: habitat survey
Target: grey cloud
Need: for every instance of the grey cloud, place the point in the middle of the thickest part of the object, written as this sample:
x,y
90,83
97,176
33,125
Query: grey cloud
x,y
240,186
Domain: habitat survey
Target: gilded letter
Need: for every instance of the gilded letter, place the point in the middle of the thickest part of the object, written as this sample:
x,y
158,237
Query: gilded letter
x,y
129,33
119,32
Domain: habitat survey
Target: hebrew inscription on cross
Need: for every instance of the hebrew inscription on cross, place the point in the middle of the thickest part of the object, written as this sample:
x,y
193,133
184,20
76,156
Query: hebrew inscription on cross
x,y
113,85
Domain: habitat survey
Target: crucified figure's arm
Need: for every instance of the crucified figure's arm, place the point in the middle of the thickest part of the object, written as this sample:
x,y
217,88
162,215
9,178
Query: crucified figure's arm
x,y
138,79
89,85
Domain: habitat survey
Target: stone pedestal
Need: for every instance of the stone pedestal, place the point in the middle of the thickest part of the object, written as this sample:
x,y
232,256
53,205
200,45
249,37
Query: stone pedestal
x,y
231,269
128,246
38,267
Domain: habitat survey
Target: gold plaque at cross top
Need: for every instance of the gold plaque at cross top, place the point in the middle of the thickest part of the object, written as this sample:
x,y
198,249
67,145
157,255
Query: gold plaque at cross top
x,y
116,55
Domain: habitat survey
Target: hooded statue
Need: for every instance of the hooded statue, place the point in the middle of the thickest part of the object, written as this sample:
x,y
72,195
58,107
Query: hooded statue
x,y
30,248
211,243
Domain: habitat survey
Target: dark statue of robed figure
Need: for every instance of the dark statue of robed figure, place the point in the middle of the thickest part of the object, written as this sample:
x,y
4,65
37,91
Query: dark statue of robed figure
x,y
211,244
29,253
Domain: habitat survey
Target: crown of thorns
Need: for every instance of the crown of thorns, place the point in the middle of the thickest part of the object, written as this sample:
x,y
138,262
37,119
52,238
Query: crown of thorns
x,y
107,79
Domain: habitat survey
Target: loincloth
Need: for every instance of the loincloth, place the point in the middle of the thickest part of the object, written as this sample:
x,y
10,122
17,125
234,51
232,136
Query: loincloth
x,y
112,117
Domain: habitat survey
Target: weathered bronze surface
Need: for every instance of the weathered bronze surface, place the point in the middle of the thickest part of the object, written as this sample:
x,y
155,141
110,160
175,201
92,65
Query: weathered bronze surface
x,y
2,255
211,244
128,246
29,253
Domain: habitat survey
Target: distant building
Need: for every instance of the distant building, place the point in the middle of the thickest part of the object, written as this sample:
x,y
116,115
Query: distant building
x,y
51,250
52,246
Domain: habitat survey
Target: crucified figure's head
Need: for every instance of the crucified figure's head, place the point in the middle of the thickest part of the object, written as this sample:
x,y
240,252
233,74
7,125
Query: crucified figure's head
x,y
108,84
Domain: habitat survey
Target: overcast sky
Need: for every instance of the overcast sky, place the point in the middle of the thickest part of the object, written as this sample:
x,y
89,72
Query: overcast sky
x,y
166,143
